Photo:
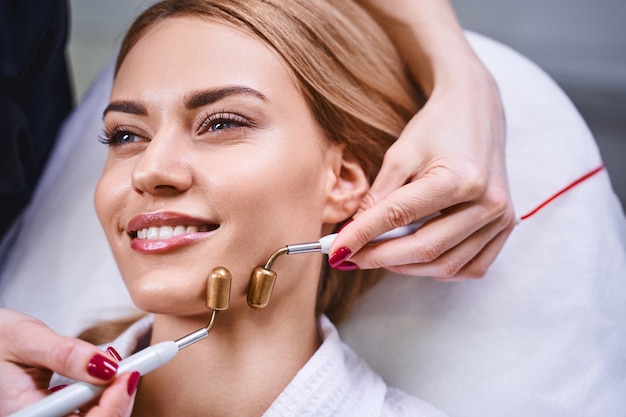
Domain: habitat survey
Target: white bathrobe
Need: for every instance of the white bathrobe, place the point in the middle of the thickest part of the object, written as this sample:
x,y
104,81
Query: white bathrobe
x,y
334,382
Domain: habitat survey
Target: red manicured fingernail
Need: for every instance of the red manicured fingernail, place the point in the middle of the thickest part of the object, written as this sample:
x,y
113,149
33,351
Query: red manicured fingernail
x,y
114,353
101,367
57,388
344,225
346,266
339,256
133,381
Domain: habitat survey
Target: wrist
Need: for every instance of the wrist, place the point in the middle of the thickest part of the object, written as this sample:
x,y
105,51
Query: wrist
x,y
464,79
457,68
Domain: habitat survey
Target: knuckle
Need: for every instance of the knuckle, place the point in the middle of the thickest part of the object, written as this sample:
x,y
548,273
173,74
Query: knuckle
x,y
429,252
450,268
474,269
368,201
63,353
498,203
471,180
398,214
504,221
475,181
507,221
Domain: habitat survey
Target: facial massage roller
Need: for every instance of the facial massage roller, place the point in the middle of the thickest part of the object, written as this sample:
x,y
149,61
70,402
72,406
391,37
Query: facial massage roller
x,y
263,278
64,401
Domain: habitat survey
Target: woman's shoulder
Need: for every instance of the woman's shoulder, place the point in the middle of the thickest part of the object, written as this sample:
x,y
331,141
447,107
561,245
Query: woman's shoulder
x,y
337,382
391,401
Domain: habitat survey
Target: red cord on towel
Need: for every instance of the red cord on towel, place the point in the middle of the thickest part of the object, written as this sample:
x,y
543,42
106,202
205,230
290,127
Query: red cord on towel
x,y
562,191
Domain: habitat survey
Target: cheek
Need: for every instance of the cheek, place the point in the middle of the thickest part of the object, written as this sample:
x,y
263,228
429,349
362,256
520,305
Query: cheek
x,y
285,194
273,197
109,196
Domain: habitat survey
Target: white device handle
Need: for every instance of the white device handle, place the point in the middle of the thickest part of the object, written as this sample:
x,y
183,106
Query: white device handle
x,y
73,396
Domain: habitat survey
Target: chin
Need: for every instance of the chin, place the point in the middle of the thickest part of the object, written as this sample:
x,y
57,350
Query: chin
x,y
170,308
168,297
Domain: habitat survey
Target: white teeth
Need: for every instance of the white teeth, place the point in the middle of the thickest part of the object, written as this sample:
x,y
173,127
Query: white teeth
x,y
153,233
166,232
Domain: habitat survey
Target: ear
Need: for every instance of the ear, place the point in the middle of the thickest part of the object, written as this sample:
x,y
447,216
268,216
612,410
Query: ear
x,y
347,185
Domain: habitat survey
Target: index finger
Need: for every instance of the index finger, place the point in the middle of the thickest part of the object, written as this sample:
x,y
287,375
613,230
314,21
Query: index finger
x,y
411,202
392,176
28,341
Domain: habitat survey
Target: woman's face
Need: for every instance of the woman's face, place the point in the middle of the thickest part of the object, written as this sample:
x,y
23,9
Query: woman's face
x,y
215,161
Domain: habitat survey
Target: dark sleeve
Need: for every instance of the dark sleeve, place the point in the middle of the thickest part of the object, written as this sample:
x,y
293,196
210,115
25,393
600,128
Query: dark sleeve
x,y
35,95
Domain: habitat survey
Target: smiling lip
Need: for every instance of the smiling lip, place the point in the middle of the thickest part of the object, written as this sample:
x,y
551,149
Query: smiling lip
x,y
163,231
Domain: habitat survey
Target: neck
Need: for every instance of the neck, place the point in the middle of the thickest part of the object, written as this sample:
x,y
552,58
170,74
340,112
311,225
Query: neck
x,y
247,360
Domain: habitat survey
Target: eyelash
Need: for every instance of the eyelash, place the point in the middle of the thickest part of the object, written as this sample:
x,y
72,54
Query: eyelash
x,y
112,137
213,119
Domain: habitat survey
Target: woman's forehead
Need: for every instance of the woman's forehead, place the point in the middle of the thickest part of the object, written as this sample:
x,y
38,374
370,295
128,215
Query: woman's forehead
x,y
193,53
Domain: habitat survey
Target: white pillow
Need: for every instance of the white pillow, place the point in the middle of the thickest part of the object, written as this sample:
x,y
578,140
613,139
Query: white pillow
x,y
542,335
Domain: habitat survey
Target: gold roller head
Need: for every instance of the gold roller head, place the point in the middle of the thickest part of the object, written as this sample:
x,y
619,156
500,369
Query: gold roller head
x,y
261,286
218,289
263,280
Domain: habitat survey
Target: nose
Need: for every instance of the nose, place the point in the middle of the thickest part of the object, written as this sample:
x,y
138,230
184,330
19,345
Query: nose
x,y
163,167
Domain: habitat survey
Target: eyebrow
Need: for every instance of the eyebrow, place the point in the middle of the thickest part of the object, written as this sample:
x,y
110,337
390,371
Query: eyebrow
x,y
132,107
204,97
193,101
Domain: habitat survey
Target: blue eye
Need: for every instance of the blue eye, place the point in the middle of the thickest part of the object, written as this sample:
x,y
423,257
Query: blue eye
x,y
222,121
220,125
118,137
125,137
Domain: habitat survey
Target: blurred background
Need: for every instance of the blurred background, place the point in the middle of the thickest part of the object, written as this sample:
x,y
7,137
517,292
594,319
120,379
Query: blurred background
x,y
580,43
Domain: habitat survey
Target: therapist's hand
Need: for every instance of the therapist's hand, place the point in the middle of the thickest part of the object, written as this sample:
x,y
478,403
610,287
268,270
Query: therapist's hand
x,y
449,158
30,351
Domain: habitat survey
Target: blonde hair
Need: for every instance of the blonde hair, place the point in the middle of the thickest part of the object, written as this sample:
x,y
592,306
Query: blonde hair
x,y
349,72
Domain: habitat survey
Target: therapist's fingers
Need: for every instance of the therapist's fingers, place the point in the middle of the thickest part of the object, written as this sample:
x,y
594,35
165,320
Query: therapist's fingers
x,y
467,257
437,190
469,233
398,169
29,343
434,238
459,264
118,398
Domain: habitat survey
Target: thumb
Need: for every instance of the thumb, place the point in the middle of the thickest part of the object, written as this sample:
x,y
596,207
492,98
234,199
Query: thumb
x,y
36,345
